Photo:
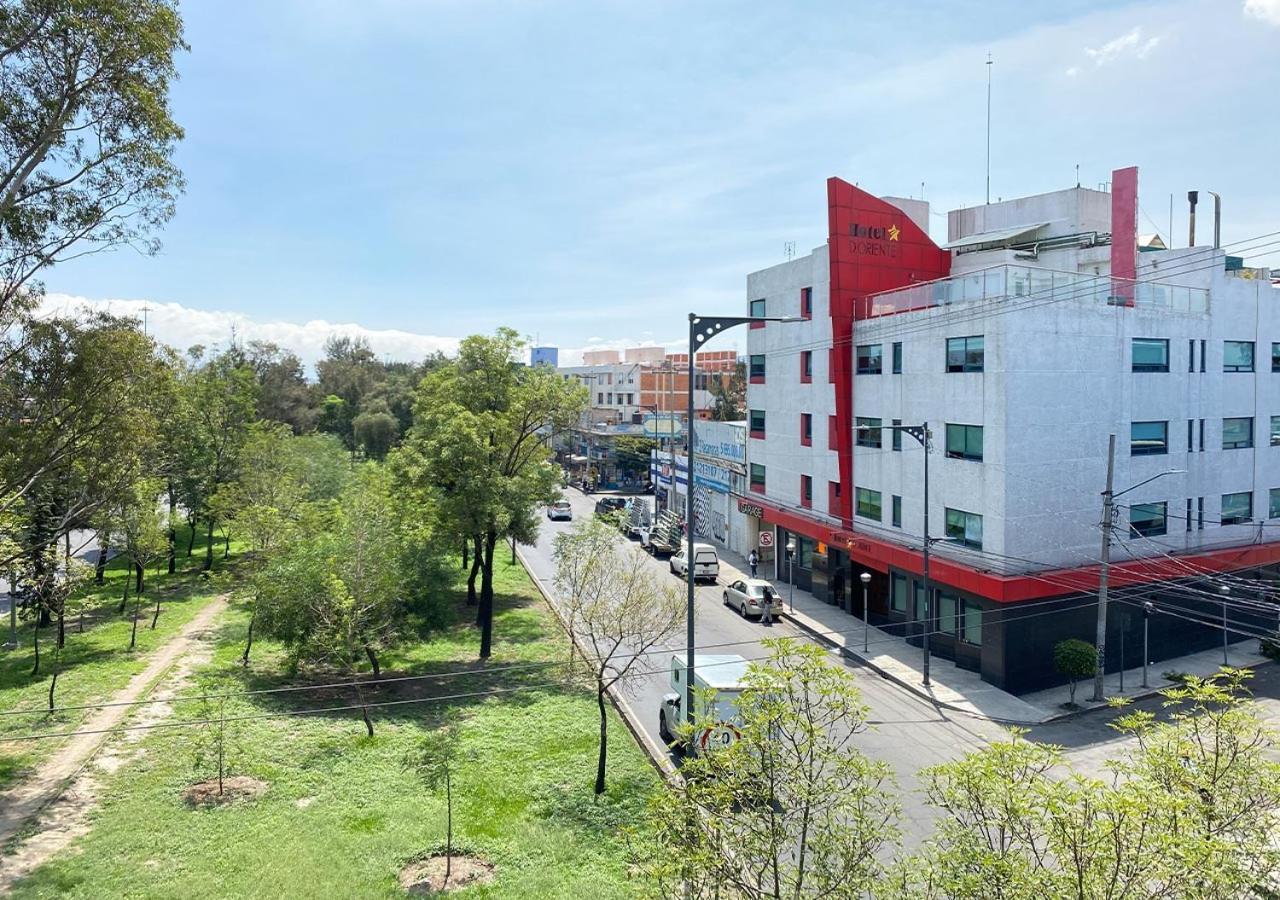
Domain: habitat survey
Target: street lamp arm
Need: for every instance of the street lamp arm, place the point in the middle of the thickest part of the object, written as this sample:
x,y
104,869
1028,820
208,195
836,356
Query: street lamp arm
x,y
1148,481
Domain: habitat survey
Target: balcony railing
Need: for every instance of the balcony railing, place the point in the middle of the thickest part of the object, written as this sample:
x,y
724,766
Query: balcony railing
x,y
1036,285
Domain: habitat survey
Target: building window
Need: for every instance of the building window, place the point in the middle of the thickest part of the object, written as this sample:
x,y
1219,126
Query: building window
x,y
833,497
806,302
972,633
1237,434
1204,356
898,593
757,478
964,528
1148,519
1201,436
867,433
1150,355
631,399
869,359
895,511
756,423
964,442
600,399
1237,508
895,437
757,309
1148,438
868,503
757,366
1189,520
1200,514
1237,356
897,357
1275,357
1275,431
1273,512
1191,428
965,354
806,365
1191,355
806,429
806,491
947,613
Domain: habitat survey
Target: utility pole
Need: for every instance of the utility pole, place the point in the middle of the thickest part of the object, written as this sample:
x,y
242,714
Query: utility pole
x,y
928,615
1108,512
988,128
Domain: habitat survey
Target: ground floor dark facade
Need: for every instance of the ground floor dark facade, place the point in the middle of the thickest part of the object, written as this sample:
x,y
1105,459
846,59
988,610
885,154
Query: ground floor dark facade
x,y
1011,644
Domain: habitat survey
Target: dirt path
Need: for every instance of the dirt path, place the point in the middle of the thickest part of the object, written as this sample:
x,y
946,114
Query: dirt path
x,y
62,788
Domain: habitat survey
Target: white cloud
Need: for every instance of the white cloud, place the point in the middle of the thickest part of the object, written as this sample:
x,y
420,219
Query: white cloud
x,y
1265,10
1072,72
182,327
1131,44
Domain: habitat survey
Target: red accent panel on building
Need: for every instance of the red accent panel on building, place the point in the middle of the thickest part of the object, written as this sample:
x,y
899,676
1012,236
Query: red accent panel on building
x,y
833,441
1124,232
881,555
757,379
754,325
873,246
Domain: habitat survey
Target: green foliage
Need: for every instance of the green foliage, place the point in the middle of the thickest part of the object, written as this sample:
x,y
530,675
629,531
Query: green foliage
x,y
792,808
730,397
86,133
1075,659
632,454
1187,812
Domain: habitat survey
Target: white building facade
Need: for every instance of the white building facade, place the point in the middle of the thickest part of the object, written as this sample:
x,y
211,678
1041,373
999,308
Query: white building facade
x,y
1022,349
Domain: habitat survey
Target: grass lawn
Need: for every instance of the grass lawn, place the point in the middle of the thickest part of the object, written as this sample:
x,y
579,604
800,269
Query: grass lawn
x,y
97,663
342,814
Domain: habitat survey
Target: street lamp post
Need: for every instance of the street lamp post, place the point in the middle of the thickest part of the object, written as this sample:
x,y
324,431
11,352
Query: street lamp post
x,y
701,330
1108,516
1147,609
791,571
865,578
920,433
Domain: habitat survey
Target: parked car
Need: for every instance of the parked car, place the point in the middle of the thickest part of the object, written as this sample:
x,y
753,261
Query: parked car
x,y
706,564
560,511
751,596
608,505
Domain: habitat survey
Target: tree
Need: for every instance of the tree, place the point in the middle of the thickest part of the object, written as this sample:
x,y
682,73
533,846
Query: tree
x,y
338,596
375,432
730,396
1075,659
477,452
211,745
434,759
141,532
792,808
283,392
1186,811
632,455
615,611
86,134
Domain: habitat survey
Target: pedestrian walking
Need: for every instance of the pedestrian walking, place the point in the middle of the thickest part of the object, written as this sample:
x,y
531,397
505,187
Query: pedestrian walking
x,y
767,618
753,560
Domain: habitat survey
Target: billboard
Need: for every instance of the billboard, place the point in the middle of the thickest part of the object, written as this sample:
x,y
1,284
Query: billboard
x,y
723,442
666,425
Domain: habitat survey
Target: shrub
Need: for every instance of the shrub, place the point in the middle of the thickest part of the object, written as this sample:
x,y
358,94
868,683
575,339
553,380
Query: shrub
x,y
1076,659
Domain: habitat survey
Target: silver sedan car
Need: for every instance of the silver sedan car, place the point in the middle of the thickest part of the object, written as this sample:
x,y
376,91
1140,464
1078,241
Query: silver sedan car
x,y
749,596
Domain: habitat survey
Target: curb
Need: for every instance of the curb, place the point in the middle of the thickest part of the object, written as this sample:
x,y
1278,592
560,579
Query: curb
x,y
657,754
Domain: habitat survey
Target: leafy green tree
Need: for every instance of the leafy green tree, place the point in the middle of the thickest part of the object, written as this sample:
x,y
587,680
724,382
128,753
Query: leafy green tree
x,y
283,392
632,455
730,396
1075,659
375,431
477,452
339,595
86,133
791,808
140,530
325,464
615,611
435,759
1186,811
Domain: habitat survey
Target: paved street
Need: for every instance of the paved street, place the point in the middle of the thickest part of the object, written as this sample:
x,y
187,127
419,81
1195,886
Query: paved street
x,y
909,733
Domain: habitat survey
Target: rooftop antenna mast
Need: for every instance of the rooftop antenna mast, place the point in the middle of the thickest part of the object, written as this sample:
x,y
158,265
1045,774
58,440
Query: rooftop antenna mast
x,y
145,309
789,248
988,127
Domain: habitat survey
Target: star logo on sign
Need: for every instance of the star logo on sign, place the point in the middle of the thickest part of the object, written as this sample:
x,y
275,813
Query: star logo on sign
x,y
894,232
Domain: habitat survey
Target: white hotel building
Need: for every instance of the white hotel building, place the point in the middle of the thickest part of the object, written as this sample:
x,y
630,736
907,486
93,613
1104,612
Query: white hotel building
x,y
1039,329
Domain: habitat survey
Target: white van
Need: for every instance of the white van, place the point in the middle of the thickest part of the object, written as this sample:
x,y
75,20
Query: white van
x,y
717,682
706,564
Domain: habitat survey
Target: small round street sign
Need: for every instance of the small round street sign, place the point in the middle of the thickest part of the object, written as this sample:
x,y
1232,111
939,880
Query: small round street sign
x,y
717,736
766,539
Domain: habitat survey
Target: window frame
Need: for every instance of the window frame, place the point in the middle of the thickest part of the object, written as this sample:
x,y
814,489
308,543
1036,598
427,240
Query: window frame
x,y
1151,449
1273,503
868,435
1135,366
1244,444
1245,519
966,631
869,359
754,482
896,357
1155,523
751,366
806,429
962,536
965,451
966,364
858,493
1240,366
806,491
1275,356
895,510
763,308
752,430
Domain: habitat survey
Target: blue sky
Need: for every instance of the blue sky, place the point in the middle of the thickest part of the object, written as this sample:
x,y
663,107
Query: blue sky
x,y
589,172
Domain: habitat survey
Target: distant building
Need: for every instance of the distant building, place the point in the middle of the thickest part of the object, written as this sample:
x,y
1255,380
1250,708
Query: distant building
x,y
544,356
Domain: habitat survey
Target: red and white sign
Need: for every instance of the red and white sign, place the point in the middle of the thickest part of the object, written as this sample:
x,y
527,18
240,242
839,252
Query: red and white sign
x,y
717,736
766,539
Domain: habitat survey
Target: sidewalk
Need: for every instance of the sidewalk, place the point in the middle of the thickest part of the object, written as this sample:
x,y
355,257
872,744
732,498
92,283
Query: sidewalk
x,y
960,689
